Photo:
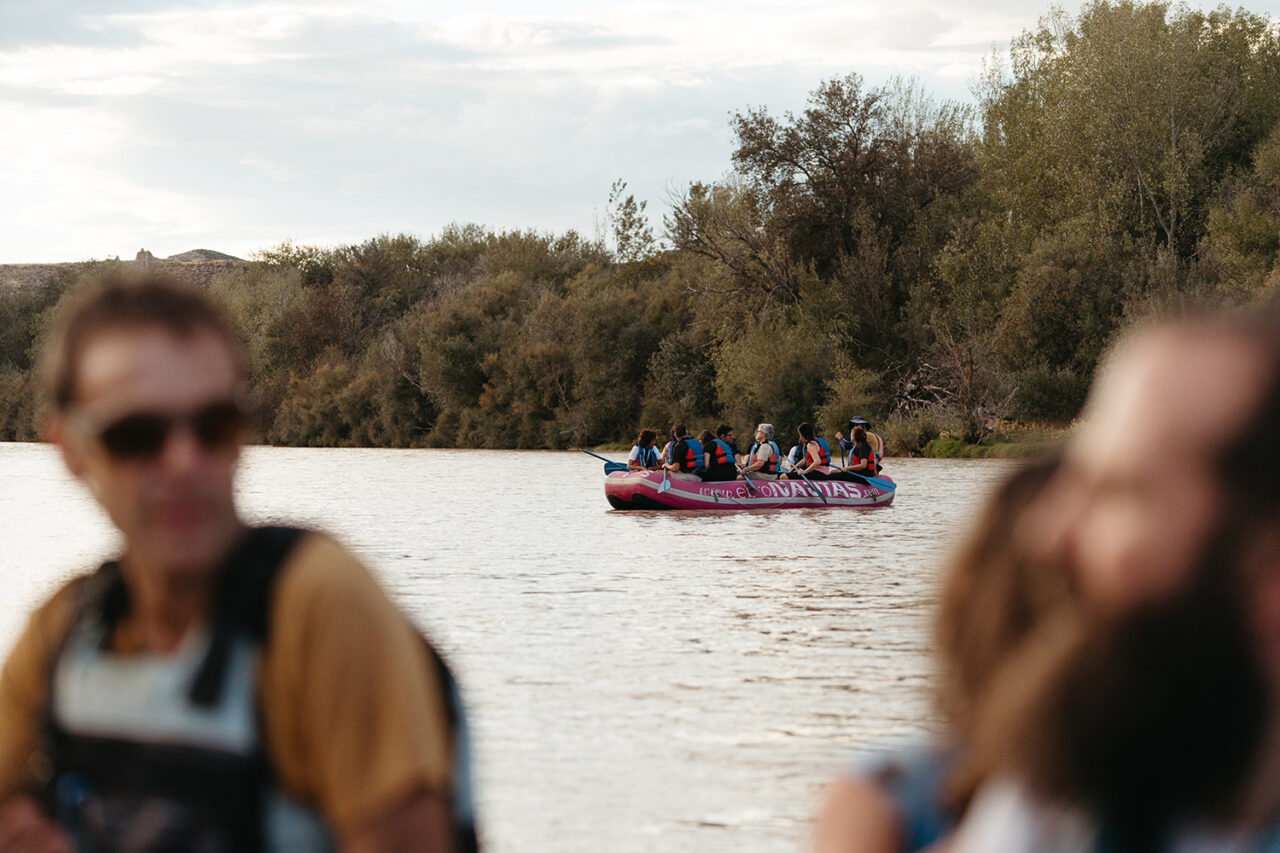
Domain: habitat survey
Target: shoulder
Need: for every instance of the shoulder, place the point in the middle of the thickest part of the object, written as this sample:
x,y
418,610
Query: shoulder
x,y
321,573
24,685
355,714
46,627
1005,816
857,817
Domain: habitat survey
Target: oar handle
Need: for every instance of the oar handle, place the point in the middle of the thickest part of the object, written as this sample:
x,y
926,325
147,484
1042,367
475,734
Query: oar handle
x,y
796,470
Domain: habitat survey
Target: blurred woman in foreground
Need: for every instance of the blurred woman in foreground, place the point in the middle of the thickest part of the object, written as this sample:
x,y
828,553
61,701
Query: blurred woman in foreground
x,y
992,596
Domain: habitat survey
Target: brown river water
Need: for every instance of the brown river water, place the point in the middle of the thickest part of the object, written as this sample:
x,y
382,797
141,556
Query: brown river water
x,y
637,681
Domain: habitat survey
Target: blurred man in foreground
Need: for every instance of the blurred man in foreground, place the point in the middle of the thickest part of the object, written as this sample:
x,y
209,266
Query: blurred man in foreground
x,y
1144,715
217,687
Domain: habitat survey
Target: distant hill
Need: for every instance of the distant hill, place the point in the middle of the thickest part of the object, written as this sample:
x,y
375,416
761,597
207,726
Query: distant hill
x,y
197,265
202,255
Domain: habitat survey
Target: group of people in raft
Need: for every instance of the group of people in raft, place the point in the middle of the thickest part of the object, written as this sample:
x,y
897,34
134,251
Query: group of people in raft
x,y
715,458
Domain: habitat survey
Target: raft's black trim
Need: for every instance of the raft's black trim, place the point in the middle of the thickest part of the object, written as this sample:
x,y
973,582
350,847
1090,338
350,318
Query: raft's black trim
x,y
637,502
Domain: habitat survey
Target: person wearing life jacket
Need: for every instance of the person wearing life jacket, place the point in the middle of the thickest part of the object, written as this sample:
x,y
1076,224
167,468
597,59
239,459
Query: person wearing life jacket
x,y
876,442
815,463
644,456
724,432
719,459
795,457
684,456
764,458
216,687
862,459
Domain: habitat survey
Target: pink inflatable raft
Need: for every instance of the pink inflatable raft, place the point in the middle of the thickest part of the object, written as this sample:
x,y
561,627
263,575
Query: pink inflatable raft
x,y
644,490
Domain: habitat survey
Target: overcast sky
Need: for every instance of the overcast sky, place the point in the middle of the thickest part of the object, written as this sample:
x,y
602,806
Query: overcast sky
x,y
171,125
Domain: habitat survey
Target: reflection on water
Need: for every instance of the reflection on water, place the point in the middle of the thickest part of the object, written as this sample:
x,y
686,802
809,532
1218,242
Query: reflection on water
x,y
639,680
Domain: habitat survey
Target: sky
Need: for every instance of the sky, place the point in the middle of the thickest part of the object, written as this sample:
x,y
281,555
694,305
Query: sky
x,y
173,125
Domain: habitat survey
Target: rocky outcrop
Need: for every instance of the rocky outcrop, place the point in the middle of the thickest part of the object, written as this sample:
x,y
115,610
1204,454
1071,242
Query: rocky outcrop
x,y
198,266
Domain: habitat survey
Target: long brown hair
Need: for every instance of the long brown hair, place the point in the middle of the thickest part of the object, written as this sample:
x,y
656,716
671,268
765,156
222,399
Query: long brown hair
x,y
993,596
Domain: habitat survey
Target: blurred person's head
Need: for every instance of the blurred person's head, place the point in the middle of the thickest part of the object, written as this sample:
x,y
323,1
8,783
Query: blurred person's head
x,y
646,437
705,437
1147,695
142,380
679,431
806,431
993,597
859,435
993,594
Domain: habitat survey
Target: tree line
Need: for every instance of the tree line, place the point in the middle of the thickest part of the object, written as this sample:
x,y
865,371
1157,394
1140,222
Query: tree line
x,y
938,267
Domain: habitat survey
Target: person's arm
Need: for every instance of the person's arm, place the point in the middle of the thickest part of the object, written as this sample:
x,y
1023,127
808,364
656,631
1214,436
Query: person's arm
x,y
422,824
857,817
23,694
24,828
816,454
633,459
354,712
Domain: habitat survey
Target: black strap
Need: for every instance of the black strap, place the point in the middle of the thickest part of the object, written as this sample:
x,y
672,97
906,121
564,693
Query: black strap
x,y
242,603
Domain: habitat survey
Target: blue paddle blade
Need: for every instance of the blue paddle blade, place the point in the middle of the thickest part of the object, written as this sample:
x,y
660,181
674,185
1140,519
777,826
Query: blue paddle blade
x,y
611,467
666,484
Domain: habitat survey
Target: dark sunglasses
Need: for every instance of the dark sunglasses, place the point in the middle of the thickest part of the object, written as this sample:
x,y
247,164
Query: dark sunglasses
x,y
143,435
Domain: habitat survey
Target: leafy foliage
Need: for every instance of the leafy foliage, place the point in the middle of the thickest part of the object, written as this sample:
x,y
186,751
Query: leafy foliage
x,y
938,268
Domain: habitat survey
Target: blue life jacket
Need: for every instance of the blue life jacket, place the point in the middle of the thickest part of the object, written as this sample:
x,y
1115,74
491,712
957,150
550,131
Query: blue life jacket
x,y
723,464
824,457
693,459
647,457
770,467
914,780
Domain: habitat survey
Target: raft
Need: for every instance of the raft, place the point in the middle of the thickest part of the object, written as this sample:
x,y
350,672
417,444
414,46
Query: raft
x,y
641,490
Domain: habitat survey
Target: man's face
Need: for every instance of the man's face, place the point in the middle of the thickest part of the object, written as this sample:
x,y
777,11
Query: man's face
x,y
174,506
1137,497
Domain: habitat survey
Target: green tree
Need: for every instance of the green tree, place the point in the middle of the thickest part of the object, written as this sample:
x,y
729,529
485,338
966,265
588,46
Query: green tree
x,y
632,234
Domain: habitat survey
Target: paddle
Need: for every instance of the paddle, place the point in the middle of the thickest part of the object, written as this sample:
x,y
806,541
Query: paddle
x,y
871,481
610,466
596,455
666,484
750,486
816,490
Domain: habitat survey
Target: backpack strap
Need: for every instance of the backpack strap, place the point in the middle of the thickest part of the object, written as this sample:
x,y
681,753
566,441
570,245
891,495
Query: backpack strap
x,y
242,602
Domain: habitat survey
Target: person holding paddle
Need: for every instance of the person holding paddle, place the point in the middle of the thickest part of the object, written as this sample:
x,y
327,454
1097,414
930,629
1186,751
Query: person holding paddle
x,y
813,459
644,456
684,456
876,442
764,458
862,459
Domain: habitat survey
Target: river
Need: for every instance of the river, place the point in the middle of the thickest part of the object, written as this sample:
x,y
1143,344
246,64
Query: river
x,y
638,681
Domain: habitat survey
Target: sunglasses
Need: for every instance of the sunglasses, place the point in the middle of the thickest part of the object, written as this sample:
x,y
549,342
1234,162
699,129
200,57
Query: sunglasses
x,y
143,435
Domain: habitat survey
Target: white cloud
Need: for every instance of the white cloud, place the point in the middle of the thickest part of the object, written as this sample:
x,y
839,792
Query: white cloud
x,y
234,125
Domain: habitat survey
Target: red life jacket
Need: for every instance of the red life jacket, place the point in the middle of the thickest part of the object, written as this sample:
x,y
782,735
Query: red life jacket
x,y
824,458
